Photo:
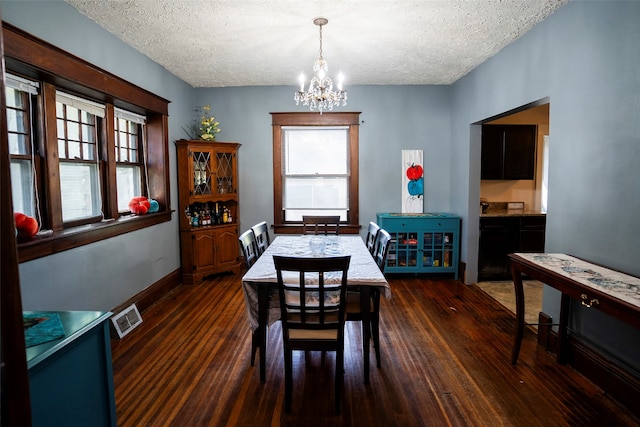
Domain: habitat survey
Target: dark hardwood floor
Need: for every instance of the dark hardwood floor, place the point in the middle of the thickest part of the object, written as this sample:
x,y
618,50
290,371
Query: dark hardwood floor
x,y
446,351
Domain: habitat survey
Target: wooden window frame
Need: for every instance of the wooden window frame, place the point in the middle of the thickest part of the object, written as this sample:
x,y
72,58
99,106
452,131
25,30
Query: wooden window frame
x,y
35,59
332,119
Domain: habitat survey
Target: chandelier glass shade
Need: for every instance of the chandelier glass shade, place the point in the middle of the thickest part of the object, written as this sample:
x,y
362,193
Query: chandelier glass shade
x,y
320,94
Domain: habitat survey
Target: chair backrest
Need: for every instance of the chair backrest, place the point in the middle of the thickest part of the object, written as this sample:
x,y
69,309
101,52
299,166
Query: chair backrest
x,y
372,232
249,248
312,296
316,224
383,242
261,233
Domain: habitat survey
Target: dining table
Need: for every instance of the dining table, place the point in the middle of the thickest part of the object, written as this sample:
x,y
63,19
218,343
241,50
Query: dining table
x,y
260,283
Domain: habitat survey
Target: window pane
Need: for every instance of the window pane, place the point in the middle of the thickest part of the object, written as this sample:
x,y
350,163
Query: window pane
x,y
88,151
74,150
22,187
72,113
316,151
17,144
62,149
87,133
73,131
87,117
128,181
315,193
15,120
14,98
80,190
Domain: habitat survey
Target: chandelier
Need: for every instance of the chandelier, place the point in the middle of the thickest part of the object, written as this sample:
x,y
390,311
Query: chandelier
x,y
320,94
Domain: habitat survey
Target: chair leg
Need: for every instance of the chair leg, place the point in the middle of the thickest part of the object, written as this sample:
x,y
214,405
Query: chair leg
x,y
375,326
288,379
339,380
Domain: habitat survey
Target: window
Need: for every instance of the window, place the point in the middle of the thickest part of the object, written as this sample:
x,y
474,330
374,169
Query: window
x,y
315,180
80,148
315,159
129,156
79,163
18,93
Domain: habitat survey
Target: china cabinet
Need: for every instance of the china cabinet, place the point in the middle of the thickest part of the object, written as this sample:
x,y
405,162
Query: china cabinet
x,y
422,243
210,212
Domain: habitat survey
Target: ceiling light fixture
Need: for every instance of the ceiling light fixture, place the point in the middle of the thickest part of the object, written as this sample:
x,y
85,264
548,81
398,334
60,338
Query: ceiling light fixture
x,y
320,94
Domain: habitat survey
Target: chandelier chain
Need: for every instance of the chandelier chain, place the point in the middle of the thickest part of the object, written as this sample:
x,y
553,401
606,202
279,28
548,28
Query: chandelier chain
x,y
320,42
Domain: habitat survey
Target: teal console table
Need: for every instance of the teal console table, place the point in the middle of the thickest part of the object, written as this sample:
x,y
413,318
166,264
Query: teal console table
x,y
71,378
422,243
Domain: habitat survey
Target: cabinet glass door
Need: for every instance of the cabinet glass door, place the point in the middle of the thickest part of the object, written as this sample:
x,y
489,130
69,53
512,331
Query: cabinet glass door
x,y
201,173
437,249
406,249
224,173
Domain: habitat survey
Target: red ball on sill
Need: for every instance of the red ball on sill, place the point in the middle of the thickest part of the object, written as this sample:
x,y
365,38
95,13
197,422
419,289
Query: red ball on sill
x,y
26,225
139,205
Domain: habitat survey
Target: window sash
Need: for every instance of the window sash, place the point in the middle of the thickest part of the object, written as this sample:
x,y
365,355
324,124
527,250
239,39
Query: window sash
x,y
22,187
80,191
315,177
128,179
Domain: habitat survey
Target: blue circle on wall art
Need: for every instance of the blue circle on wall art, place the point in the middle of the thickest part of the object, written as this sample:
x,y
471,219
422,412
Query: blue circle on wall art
x,y
416,187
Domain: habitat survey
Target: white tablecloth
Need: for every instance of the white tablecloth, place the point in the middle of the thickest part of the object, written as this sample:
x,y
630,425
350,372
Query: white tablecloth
x,y
363,270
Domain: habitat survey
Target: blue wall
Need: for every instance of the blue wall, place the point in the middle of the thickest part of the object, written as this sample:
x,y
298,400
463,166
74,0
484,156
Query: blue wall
x,y
585,58
393,118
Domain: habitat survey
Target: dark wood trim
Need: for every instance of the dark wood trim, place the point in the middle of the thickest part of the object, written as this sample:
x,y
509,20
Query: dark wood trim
x,y
614,379
350,119
50,145
150,295
108,157
63,240
16,404
315,119
73,73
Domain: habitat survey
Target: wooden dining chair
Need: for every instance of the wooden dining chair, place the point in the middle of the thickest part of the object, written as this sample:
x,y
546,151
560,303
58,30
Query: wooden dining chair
x,y
354,311
372,232
381,251
317,224
312,307
249,248
261,233
250,253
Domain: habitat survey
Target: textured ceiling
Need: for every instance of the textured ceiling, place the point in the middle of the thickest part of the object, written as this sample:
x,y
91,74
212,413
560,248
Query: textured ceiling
x,y
217,43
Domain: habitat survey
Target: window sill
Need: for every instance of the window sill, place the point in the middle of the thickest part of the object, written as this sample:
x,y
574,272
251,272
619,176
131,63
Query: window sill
x,y
54,242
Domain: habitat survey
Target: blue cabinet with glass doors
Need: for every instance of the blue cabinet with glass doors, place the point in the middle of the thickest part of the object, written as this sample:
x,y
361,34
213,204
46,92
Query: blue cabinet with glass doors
x,y
422,243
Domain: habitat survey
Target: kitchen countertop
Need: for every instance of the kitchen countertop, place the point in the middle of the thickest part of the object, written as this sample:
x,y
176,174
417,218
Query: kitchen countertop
x,y
502,209
511,212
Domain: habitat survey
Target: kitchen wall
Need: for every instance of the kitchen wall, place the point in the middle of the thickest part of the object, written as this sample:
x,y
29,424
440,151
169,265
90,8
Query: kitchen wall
x,y
527,191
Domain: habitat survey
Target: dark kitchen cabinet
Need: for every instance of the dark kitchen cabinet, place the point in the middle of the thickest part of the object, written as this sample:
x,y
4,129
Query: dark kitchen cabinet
x,y
508,151
502,235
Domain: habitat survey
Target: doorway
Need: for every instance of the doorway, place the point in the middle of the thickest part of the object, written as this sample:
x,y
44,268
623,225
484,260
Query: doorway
x,y
501,228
